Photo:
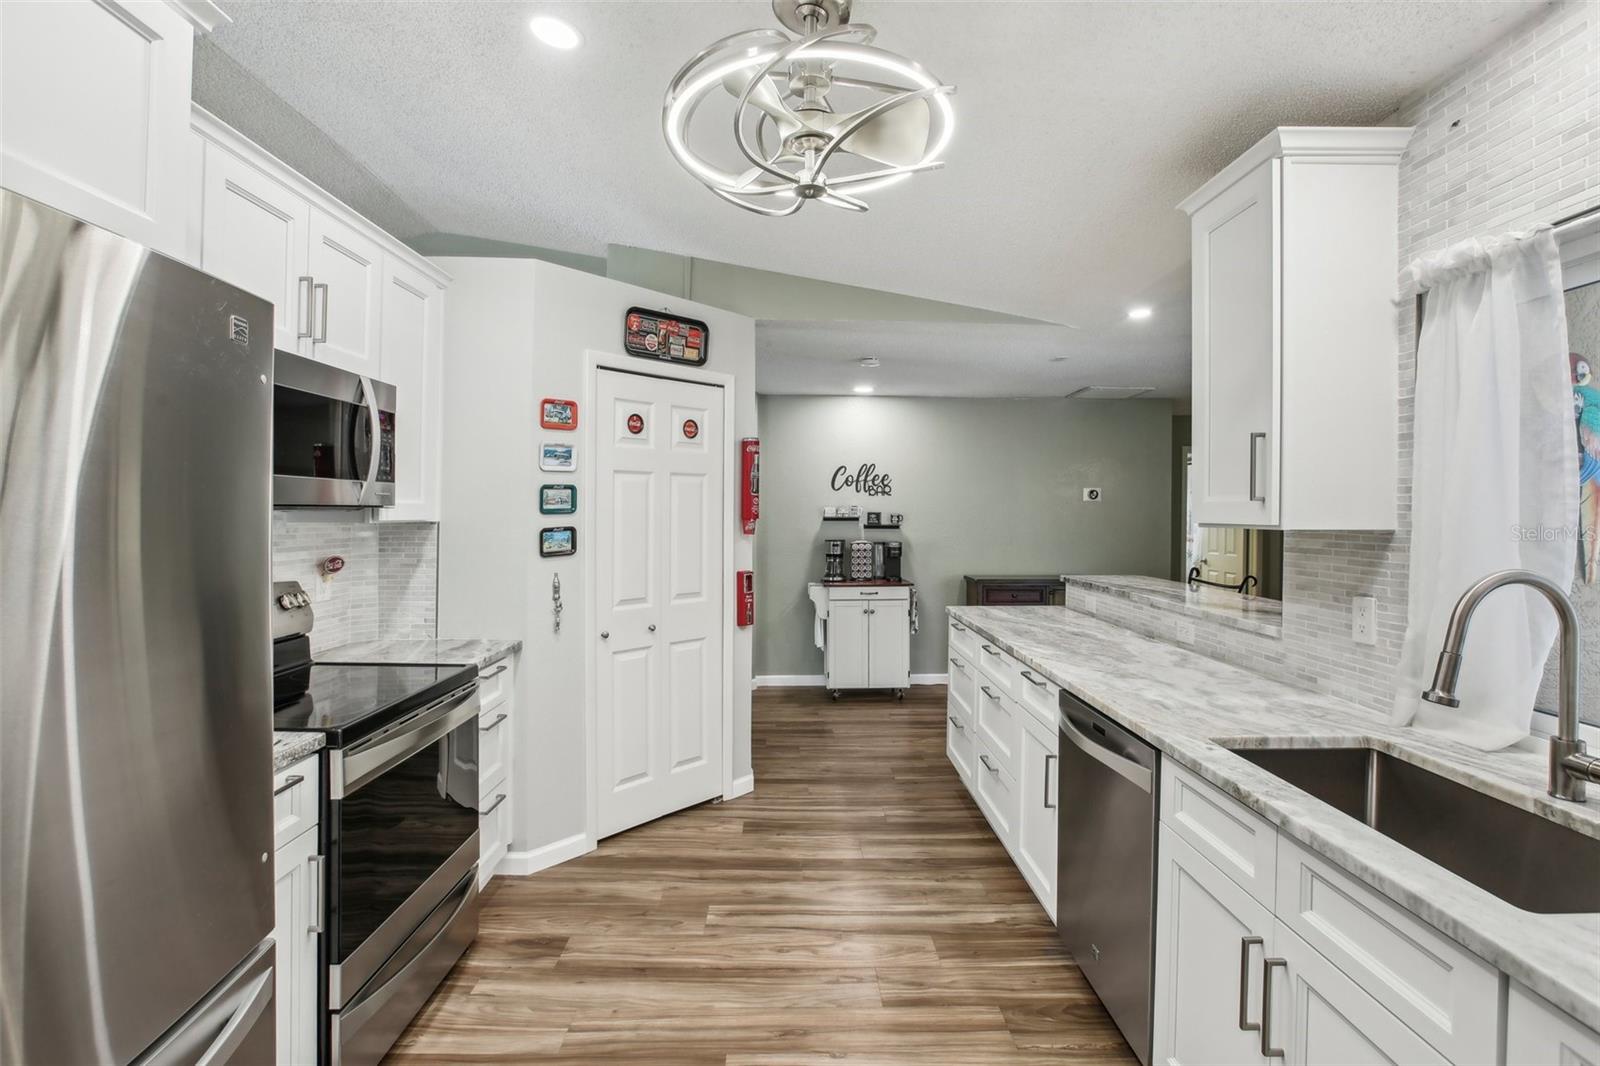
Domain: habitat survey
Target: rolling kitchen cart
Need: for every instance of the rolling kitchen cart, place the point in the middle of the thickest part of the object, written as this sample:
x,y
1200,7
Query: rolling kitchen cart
x,y
864,630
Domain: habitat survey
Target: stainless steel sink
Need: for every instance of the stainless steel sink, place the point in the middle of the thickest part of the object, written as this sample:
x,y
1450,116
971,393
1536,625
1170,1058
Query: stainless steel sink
x,y
1528,861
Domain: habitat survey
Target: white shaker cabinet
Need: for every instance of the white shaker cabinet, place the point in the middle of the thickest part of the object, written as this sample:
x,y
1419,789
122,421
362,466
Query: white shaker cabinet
x,y
256,233
497,725
845,659
346,266
1211,939
1038,789
412,346
94,113
868,635
1294,255
1539,1035
299,909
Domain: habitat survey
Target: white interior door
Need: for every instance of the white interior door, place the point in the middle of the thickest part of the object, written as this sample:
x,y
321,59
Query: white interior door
x,y
660,596
1223,559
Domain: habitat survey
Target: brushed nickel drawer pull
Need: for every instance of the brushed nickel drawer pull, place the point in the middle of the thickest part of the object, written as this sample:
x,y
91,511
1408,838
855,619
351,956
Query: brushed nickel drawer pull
x,y
987,765
957,663
992,651
986,692
496,672
288,783
499,799
1028,676
1047,760
955,723
490,728
1266,1007
1245,944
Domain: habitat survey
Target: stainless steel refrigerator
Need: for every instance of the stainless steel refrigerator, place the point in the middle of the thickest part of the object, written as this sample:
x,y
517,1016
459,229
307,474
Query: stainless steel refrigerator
x,y
135,744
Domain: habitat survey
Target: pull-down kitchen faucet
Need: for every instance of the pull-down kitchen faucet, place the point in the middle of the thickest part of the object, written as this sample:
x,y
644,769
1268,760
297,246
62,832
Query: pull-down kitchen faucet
x,y
1570,764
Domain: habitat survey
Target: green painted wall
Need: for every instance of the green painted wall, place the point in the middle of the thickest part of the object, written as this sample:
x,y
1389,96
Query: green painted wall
x,y
987,486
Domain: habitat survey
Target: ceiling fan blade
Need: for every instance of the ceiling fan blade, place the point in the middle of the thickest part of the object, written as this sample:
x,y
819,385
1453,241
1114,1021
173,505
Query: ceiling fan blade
x,y
766,97
897,137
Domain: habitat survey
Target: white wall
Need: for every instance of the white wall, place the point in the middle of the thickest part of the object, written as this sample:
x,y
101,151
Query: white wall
x,y
520,330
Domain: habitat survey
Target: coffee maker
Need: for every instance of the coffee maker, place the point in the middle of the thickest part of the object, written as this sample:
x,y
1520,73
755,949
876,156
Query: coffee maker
x,y
833,560
890,567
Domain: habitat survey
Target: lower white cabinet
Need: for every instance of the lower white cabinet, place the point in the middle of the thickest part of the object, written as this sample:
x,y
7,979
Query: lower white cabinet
x,y
868,643
1038,789
998,798
1538,1033
1317,1014
1212,937
299,912
496,745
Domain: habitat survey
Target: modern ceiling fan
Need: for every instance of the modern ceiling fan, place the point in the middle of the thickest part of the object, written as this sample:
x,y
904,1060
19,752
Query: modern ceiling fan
x,y
819,113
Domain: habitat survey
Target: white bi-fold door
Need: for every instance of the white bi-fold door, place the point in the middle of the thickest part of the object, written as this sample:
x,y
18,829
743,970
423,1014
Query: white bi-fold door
x,y
660,596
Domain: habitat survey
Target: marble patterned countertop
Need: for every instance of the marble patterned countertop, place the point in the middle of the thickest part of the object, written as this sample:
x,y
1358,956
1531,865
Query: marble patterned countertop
x,y
289,748
1189,707
479,653
1251,613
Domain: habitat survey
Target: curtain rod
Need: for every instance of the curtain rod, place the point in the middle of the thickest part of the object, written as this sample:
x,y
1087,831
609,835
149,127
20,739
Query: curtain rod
x,y
1576,219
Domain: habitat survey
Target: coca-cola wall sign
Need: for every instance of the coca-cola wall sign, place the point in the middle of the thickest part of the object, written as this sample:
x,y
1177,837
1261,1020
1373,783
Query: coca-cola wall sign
x,y
865,479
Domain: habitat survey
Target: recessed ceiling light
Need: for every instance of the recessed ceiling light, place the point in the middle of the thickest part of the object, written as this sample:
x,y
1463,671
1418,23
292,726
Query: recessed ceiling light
x,y
554,32
1139,314
870,363
863,389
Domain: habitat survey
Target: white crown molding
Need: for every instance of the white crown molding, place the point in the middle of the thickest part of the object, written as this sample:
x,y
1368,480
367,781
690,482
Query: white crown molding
x,y
1342,144
203,15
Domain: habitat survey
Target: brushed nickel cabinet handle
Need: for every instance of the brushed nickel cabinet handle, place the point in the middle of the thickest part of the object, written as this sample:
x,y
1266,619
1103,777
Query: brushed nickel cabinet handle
x,y
987,765
991,651
957,663
1253,497
605,634
307,298
321,909
955,723
1245,944
1266,1007
321,336
1048,758
288,783
985,690
958,627
1028,676
499,799
496,672
494,724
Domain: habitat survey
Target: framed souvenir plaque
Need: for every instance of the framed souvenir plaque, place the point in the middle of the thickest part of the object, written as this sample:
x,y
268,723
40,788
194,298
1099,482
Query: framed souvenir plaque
x,y
657,335
558,540
558,414
558,499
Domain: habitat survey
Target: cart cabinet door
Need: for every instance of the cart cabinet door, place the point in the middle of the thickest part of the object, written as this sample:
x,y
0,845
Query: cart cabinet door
x,y
889,645
846,654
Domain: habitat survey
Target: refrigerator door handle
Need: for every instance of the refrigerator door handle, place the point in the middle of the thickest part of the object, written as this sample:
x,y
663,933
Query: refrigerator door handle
x,y
243,1021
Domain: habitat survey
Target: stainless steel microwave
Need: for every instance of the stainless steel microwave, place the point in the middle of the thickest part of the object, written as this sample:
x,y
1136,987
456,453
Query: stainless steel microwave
x,y
332,436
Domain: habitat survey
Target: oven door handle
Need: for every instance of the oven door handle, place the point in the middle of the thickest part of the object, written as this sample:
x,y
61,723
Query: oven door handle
x,y
352,768
375,425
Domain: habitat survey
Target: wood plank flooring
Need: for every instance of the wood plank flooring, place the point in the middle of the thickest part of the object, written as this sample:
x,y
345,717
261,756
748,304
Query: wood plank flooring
x,y
854,909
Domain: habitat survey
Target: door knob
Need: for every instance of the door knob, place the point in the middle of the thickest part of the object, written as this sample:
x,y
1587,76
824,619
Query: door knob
x,y
605,634
652,627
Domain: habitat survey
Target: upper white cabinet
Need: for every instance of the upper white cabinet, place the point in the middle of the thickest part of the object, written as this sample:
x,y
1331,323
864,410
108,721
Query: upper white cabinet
x,y
255,234
94,112
343,291
1295,252
411,344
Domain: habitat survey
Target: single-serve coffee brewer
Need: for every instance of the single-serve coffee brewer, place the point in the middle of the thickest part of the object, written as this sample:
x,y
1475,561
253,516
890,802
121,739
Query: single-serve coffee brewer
x,y
833,560
886,560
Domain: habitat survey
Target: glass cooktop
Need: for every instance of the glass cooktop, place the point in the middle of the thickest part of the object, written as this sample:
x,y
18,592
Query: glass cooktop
x,y
348,701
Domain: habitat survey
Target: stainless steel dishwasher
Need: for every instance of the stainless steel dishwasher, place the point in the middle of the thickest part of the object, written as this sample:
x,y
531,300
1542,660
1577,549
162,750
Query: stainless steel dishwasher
x,y
1105,863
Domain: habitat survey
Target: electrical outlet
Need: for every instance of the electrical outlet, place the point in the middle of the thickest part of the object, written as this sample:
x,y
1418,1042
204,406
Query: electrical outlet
x,y
1091,495
1364,620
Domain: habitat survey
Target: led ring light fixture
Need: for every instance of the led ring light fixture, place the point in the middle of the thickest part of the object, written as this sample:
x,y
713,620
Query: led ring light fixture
x,y
819,113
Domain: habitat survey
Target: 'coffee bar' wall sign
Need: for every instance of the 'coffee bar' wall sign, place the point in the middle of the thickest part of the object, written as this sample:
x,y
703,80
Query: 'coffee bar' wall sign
x,y
866,479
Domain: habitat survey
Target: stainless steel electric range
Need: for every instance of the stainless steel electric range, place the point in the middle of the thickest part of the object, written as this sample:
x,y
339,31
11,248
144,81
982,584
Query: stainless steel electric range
x,y
399,827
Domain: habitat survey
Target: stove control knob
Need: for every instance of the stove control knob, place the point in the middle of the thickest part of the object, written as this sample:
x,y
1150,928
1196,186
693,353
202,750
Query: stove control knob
x,y
286,601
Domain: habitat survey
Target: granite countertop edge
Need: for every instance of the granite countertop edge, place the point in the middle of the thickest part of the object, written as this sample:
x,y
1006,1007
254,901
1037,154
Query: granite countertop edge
x,y
1189,706
474,651
289,747
1260,616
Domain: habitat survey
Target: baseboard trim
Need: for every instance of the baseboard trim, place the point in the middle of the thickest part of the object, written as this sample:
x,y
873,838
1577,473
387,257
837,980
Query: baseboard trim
x,y
741,786
821,680
790,680
522,863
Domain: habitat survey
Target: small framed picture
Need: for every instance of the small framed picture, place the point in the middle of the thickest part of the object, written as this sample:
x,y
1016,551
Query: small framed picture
x,y
558,414
558,499
553,456
558,540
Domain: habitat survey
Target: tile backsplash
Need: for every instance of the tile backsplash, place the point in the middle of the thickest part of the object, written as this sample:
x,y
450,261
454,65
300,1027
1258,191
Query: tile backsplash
x,y
1510,140
389,584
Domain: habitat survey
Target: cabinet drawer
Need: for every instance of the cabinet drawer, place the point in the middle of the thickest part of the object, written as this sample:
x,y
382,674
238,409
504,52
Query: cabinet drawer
x,y
494,832
1537,1032
963,642
1239,842
296,794
494,746
962,692
999,723
1039,696
960,745
493,683
1438,988
997,795
1000,668
900,593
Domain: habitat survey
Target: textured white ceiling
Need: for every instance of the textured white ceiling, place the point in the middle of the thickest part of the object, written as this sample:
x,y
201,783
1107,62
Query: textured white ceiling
x,y
1080,126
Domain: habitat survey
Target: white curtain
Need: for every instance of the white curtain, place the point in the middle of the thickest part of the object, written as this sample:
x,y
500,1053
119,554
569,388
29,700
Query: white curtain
x,y
1494,477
